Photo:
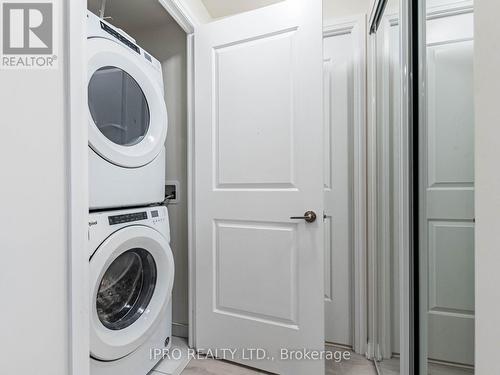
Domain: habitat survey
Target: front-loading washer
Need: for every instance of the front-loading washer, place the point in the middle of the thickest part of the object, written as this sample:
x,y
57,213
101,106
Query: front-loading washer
x,y
127,120
131,279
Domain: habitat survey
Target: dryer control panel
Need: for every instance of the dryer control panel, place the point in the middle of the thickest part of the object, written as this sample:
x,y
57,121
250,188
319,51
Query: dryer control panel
x,y
120,37
97,27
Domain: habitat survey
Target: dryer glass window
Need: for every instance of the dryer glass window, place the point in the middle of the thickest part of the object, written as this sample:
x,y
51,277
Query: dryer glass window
x,y
118,106
126,289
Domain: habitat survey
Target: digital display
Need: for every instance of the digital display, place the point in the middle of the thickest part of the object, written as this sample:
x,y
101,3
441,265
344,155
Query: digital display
x,y
127,218
120,37
154,213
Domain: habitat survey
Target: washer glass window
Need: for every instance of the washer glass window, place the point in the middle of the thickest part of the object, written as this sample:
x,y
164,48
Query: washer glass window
x,y
118,106
126,289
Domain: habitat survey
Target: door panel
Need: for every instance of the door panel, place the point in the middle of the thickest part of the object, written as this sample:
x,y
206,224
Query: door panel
x,y
258,137
254,112
240,248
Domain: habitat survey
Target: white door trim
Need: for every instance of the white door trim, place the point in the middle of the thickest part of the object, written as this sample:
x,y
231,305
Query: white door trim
x,y
191,190
181,14
77,193
357,26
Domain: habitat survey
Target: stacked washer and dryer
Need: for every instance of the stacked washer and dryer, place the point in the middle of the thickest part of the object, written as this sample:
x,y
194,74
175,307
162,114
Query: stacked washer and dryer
x,y
131,263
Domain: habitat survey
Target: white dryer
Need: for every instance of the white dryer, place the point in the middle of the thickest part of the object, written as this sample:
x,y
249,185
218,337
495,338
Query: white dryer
x,y
127,120
131,279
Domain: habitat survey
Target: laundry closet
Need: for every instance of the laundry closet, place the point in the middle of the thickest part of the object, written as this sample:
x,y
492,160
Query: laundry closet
x,y
154,30
137,97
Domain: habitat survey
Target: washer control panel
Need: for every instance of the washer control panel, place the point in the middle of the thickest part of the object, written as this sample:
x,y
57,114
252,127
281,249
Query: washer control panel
x,y
157,217
104,223
127,218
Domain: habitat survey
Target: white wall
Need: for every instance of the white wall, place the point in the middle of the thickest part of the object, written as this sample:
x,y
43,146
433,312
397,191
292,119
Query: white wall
x,y
33,224
168,44
344,8
487,88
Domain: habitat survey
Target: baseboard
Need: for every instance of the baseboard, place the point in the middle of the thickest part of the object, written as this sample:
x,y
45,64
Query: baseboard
x,y
341,346
180,330
450,364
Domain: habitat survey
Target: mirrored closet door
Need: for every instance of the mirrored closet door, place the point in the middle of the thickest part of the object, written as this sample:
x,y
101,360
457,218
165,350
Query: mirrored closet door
x,y
421,188
446,189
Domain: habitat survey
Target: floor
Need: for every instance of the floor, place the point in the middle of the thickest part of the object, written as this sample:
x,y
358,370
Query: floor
x,y
357,365
391,367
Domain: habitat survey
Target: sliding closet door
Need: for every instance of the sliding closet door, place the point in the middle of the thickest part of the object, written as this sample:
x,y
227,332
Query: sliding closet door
x,y
447,192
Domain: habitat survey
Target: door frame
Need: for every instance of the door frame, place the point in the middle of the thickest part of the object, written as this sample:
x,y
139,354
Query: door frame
x,y
77,191
356,25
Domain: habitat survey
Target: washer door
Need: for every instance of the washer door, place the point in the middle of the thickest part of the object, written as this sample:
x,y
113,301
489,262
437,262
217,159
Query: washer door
x,y
131,274
127,112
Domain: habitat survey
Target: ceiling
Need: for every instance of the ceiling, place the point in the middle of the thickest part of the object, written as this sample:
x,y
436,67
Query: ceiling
x,y
151,13
124,13
223,8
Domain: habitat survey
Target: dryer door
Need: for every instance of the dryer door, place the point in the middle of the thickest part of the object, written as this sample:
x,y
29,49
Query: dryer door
x,y
131,275
127,112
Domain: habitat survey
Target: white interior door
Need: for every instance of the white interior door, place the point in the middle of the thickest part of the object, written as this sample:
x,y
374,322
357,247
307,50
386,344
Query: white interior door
x,y
258,162
339,49
448,191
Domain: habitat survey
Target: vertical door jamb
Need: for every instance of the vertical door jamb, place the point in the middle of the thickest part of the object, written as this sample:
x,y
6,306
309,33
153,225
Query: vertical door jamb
x,y
77,190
